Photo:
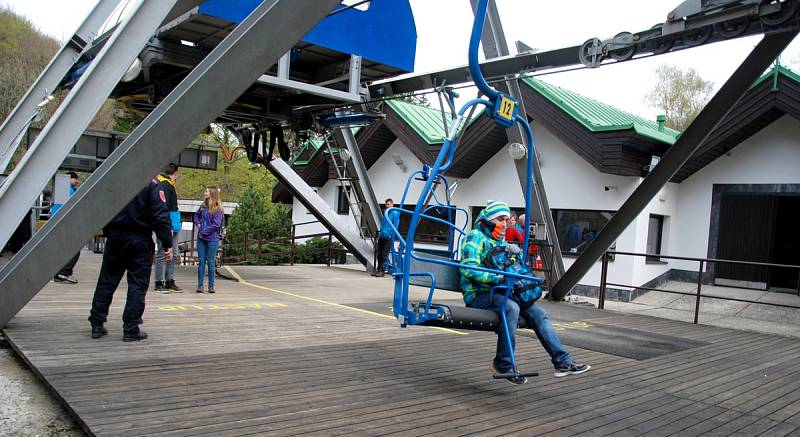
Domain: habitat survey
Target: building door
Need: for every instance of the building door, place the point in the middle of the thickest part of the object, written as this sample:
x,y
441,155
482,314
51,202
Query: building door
x,y
786,242
746,229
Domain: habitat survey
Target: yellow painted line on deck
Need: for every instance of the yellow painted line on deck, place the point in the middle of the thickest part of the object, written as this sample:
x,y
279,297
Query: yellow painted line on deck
x,y
326,302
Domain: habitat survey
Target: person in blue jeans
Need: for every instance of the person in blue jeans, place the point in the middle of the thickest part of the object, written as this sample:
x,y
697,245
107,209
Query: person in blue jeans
x,y
208,219
489,232
164,270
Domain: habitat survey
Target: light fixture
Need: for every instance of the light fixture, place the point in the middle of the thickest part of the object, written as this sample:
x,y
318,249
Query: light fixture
x,y
345,154
517,151
133,71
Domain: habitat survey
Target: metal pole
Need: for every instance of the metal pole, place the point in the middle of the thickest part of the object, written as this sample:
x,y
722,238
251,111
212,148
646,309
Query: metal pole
x,y
64,129
330,247
221,77
18,120
246,248
258,250
291,259
756,62
699,286
601,304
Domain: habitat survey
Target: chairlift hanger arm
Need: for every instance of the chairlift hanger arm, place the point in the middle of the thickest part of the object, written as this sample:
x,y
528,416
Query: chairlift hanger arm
x,y
693,23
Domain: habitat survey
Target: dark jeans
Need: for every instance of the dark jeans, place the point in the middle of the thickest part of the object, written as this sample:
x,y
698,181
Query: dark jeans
x,y
535,318
132,253
67,270
384,247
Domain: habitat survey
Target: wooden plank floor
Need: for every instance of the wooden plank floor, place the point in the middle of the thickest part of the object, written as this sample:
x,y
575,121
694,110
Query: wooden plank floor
x,y
310,351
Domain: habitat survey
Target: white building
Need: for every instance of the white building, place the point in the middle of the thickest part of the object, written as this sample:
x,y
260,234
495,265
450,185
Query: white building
x,y
737,198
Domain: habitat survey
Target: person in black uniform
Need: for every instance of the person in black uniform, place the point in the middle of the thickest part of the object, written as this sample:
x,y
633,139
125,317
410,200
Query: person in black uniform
x,y
129,247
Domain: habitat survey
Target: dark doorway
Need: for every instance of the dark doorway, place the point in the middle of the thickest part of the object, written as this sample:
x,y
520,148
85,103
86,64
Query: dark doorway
x,y
759,228
746,225
786,242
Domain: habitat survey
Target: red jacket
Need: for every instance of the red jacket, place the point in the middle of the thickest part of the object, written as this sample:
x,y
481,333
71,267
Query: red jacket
x,y
514,236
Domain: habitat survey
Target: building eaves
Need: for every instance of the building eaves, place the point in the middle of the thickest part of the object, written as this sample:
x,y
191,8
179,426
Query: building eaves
x,y
600,117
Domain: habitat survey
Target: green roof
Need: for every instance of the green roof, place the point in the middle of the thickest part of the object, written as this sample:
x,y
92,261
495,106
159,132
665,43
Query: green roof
x,y
313,144
599,117
773,74
427,122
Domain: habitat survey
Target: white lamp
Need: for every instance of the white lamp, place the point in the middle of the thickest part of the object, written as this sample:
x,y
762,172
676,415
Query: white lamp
x,y
517,151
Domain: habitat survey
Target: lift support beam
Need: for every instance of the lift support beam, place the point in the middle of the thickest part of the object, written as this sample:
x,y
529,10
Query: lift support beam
x,y
232,67
719,20
687,144
322,211
64,129
15,124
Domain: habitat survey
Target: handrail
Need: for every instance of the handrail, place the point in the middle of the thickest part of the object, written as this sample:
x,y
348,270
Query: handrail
x,y
698,293
708,260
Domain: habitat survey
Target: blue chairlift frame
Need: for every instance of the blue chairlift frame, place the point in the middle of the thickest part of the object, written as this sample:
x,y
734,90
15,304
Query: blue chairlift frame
x,y
402,257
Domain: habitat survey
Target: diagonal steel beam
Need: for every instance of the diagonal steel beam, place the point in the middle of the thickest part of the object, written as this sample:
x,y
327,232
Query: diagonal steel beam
x,y
362,185
322,211
751,68
16,122
64,129
231,68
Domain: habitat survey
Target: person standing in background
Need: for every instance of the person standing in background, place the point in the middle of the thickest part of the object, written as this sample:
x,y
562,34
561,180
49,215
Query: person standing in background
x,y
165,277
385,238
65,275
208,218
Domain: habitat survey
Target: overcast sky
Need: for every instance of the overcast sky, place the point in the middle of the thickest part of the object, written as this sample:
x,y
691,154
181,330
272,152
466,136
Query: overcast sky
x,y
443,28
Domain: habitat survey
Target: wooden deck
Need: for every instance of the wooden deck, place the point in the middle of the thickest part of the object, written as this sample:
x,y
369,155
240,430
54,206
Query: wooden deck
x,y
311,351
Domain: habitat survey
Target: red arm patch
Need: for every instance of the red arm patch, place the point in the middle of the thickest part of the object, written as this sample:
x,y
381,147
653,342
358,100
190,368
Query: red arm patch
x,y
162,196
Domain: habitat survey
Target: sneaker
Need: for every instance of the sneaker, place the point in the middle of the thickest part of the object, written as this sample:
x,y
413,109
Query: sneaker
x,y
571,368
159,287
517,380
65,278
171,285
199,289
138,336
98,331
211,289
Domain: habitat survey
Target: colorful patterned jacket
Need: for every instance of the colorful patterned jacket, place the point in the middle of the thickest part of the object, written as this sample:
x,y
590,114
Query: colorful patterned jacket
x,y
474,248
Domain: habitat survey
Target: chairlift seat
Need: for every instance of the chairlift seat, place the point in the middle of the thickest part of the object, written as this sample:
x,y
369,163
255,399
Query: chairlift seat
x,y
455,316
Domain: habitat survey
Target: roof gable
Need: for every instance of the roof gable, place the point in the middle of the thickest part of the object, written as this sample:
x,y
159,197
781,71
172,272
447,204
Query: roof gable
x,y
597,116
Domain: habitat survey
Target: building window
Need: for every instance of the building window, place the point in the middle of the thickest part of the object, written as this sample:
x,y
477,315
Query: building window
x,y
577,228
655,230
342,203
428,231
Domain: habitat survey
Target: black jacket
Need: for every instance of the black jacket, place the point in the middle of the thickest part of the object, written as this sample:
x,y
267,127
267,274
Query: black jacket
x,y
169,192
146,213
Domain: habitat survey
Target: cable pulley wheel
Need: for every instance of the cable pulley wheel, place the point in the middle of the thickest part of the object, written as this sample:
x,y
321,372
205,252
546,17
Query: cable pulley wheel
x,y
585,56
788,10
661,45
732,28
697,37
626,53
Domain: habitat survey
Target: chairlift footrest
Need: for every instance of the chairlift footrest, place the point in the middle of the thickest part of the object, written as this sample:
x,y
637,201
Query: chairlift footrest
x,y
511,375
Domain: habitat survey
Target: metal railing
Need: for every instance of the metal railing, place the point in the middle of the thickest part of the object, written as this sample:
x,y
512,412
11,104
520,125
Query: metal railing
x,y
242,244
703,262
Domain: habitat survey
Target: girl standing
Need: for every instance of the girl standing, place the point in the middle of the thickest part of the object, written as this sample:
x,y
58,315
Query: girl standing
x,y
209,220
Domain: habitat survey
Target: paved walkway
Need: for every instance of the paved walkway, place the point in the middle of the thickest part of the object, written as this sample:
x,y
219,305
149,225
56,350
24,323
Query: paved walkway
x,y
717,312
